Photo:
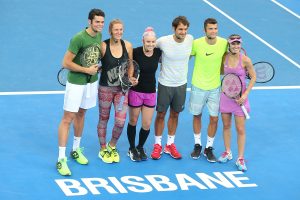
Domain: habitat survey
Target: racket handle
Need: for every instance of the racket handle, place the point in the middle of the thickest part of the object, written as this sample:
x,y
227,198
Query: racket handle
x,y
120,106
245,112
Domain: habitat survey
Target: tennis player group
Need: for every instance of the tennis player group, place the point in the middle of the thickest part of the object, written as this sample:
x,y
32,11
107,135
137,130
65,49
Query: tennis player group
x,y
88,55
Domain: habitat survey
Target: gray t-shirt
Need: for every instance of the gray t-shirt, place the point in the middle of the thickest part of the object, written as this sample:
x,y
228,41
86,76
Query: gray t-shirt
x,y
175,59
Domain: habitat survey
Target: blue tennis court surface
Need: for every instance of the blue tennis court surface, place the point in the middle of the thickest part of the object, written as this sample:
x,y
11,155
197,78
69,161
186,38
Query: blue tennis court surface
x,y
35,35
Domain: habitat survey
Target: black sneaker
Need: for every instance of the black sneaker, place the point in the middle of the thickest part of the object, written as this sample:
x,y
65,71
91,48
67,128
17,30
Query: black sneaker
x,y
142,153
134,155
208,153
196,152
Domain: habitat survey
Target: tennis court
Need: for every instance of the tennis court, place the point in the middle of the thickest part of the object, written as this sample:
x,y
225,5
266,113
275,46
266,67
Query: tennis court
x,y
35,35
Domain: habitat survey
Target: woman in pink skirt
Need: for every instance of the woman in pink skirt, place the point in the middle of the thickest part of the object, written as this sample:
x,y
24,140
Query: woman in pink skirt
x,y
237,63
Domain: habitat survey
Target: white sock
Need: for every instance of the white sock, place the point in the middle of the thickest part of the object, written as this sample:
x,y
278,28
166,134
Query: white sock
x,y
171,139
158,140
197,138
76,143
210,142
61,153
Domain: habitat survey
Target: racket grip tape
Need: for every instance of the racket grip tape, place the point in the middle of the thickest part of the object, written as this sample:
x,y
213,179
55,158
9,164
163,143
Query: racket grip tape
x,y
245,112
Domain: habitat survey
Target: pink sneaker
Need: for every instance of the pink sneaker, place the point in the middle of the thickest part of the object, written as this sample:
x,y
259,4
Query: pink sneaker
x,y
225,157
171,149
157,151
241,165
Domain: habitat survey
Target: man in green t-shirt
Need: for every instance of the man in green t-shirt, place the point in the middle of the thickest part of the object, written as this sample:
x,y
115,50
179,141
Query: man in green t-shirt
x,y
81,59
208,52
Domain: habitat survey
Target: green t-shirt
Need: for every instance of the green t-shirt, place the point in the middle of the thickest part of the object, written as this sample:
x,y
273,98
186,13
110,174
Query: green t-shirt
x,y
87,51
208,61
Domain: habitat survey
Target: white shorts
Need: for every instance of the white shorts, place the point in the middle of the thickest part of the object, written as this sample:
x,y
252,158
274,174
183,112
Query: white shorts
x,y
80,96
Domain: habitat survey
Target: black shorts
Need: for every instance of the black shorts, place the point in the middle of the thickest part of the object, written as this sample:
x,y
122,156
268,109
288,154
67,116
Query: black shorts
x,y
171,96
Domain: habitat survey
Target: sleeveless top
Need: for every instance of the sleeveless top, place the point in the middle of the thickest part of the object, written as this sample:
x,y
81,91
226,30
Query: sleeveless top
x,y
238,70
228,105
110,65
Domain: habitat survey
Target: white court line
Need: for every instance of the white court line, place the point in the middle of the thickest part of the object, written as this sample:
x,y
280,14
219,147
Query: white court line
x,y
188,90
30,93
253,34
270,88
286,9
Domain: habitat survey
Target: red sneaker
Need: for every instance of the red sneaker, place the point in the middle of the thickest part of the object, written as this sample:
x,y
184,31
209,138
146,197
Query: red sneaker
x,y
171,149
157,151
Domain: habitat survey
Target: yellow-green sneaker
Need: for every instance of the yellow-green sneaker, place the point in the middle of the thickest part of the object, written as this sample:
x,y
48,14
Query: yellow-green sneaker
x,y
62,167
79,157
105,156
114,153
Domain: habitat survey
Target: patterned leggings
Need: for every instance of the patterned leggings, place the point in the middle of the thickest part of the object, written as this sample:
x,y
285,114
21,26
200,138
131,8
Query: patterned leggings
x,y
107,96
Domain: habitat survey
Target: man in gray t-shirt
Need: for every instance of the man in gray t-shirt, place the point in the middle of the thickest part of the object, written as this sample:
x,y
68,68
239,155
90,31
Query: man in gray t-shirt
x,y
172,82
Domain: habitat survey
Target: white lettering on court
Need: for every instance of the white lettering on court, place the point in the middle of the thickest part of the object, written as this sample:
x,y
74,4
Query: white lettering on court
x,y
148,183
208,180
237,180
185,181
93,183
71,187
158,181
136,181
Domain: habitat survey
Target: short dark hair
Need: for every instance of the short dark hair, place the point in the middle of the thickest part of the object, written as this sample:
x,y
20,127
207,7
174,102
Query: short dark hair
x,y
180,19
95,12
209,21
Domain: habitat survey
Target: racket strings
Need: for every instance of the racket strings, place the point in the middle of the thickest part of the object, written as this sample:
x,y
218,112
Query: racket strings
x,y
231,85
124,70
126,81
62,76
264,72
125,88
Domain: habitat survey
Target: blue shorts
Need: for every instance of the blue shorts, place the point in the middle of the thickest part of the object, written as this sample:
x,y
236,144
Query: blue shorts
x,y
199,98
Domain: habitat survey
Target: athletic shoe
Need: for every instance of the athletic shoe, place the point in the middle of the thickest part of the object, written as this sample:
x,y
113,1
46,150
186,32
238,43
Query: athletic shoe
x,y
62,167
225,157
208,153
105,156
241,165
142,153
78,156
196,152
113,153
157,151
134,155
171,149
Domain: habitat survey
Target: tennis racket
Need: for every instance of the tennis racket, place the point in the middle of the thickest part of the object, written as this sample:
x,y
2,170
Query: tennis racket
x,y
89,57
129,67
232,88
62,76
265,72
